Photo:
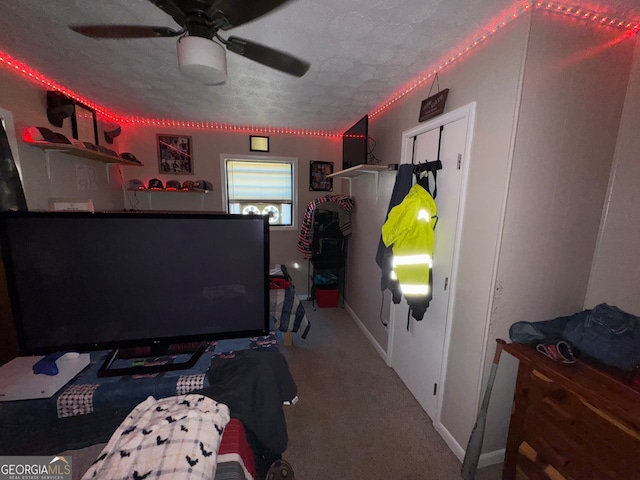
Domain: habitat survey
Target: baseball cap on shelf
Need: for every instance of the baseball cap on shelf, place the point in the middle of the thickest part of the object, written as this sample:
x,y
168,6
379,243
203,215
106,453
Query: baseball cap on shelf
x,y
156,183
107,151
111,131
42,134
202,185
187,185
173,185
136,184
59,107
129,156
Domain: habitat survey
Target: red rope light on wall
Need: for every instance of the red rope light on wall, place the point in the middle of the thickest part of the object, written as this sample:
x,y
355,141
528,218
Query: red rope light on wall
x,y
42,80
505,18
495,26
36,77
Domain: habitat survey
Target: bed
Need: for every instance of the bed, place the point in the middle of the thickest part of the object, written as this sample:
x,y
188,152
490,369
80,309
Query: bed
x,y
89,409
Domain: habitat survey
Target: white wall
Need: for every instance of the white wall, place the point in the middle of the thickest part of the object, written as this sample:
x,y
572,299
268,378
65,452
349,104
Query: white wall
x,y
490,75
496,95
573,92
615,277
207,147
576,76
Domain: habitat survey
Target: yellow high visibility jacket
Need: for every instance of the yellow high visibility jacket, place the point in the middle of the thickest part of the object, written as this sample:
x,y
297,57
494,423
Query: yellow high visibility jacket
x,y
409,231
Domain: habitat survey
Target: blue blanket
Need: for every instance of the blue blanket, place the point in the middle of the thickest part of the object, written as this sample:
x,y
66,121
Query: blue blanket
x,y
88,409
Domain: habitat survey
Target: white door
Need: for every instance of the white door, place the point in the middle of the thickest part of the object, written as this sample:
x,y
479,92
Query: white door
x,y
416,351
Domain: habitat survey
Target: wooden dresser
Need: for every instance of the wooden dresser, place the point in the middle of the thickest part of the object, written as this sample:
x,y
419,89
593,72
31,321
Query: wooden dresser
x,y
572,421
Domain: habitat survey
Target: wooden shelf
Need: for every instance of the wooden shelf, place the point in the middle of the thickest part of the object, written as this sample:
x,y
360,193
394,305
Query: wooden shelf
x,y
83,153
154,190
363,169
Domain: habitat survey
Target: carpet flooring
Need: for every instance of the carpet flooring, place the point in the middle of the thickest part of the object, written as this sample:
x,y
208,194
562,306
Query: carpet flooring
x,y
355,419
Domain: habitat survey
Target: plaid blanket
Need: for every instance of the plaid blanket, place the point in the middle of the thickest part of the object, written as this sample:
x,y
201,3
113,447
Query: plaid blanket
x,y
286,308
171,438
89,393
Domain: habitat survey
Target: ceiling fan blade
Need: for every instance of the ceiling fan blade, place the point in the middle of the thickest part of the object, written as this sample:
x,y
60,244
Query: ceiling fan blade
x,y
169,6
124,31
268,56
237,13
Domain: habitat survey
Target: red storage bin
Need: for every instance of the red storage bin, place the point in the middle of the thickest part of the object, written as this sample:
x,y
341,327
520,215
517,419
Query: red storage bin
x,y
327,297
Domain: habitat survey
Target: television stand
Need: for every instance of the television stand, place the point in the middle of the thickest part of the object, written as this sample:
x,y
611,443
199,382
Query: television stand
x,y
136,360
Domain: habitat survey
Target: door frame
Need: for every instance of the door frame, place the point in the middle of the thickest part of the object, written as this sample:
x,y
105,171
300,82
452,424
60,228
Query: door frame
x,y
469,112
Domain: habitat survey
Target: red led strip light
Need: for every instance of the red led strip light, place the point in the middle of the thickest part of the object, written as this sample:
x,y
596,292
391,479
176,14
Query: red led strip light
x,y
37,77
505,18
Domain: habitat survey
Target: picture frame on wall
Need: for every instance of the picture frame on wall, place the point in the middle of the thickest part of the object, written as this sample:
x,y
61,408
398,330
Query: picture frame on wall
x,y
175,154
84,125
318,180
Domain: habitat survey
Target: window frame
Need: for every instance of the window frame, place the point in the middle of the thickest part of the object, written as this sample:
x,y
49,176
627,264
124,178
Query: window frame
x,y
293,161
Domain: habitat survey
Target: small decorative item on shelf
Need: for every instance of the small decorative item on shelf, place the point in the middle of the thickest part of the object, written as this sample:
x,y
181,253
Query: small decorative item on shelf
x,y
107,151
84,126
110,130
59,107
156,184
130,156
202,185
136,184
174,154
43,134
173,185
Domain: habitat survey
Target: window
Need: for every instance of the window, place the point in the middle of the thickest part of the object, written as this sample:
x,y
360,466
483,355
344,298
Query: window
x,y
261,186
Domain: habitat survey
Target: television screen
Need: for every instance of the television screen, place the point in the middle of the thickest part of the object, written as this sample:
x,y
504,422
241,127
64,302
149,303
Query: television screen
x,y
354,144
91,281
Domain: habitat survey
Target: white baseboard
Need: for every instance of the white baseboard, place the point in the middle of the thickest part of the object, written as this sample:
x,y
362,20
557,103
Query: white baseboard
x,y
366,332
451,442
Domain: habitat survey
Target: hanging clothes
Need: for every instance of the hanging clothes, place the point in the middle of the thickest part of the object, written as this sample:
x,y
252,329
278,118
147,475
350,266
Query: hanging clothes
x,y
409,231
384,254
305,238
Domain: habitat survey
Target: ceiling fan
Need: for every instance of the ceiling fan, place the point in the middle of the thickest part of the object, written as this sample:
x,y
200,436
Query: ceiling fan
x,y
201,53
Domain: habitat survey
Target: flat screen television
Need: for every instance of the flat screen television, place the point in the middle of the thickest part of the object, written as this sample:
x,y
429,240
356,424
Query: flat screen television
x,y
355,144
95,281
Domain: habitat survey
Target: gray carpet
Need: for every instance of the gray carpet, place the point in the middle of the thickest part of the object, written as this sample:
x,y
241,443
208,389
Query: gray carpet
x,y
355,419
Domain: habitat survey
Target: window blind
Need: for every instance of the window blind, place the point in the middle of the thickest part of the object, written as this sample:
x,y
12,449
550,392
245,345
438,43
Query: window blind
x,y
266,181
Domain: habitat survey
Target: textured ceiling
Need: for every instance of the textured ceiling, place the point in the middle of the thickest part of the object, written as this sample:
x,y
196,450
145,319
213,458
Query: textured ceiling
x,y
361,52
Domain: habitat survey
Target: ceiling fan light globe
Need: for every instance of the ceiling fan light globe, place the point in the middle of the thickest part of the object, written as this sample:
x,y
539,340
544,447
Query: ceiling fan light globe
x,y
202,59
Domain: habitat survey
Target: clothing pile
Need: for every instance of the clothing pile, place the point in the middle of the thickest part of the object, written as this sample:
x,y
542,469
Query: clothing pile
x,y
605,333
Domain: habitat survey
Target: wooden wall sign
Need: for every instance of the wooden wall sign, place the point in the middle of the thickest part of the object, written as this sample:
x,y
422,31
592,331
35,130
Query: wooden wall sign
x,y
433,106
